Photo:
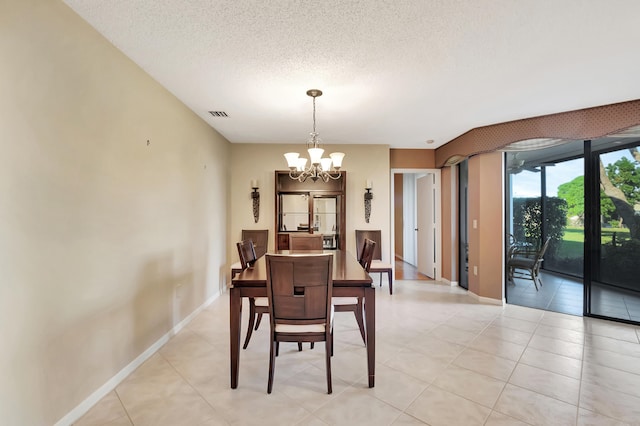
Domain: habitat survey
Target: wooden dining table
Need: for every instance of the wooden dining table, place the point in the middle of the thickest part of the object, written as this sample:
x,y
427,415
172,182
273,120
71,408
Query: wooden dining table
x,y
349,280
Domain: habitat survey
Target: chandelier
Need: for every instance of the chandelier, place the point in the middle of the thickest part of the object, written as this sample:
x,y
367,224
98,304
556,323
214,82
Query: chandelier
x,y
320,168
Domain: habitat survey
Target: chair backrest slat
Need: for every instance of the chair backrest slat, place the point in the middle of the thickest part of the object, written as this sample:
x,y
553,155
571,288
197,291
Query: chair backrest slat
x,y
260,238
305,242
374,235
246,252
366,256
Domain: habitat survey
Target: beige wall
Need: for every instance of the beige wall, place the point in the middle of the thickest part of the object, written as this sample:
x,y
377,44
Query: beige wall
x,y
412,158
106,242
486,206
259,161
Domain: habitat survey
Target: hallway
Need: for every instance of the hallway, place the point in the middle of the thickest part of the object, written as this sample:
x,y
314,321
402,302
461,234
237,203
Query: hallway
x,y
405,271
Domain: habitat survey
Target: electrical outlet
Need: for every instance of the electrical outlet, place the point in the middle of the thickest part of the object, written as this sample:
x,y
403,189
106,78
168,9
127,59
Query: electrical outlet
x,y
475,270
475,223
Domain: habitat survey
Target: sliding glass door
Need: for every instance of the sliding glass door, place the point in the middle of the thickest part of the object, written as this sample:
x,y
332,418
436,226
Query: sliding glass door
x,y
564,216
615,255
546,203
584,196
463,220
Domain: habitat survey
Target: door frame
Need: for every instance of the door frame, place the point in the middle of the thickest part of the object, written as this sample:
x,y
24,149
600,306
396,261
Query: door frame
x,y
438,213
425,223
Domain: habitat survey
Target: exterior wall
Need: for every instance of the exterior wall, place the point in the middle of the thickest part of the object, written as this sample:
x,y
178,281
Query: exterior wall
x,y
486,202
107,241
259,161
412,158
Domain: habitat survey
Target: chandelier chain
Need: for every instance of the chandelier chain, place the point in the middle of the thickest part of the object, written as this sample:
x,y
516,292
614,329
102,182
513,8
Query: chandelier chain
x,y
314,114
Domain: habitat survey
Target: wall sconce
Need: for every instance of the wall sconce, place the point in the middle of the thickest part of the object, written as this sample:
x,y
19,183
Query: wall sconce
x,y
255,195
368,196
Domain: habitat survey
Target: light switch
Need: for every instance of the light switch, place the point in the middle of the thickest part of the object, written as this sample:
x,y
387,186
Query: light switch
x,y
475,223
475,270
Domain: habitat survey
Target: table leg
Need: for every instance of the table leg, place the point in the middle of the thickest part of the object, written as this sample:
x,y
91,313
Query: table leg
x,y
235,313
370,319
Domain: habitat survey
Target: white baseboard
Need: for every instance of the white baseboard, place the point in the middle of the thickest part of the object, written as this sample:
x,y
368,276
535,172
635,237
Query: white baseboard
x,y
82,408
487,300
448,282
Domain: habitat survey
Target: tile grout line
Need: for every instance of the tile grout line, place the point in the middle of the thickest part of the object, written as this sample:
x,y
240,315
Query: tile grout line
x,y
514,369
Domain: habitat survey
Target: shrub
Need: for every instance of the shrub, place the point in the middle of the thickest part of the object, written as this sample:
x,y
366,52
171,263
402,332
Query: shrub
x,y
619,265
527,220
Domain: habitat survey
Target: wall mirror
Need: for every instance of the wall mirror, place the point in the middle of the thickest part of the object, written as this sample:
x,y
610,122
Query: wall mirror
x,y
294,212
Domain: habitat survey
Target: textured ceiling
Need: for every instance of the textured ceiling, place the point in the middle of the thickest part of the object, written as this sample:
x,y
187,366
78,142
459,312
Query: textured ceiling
x,y
393,72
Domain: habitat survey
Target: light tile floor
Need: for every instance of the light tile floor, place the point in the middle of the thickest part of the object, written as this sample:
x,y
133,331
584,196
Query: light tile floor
x,y
442,359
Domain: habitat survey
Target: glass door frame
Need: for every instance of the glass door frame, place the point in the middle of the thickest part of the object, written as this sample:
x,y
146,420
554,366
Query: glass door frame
x,y
544,213
593,230
463,224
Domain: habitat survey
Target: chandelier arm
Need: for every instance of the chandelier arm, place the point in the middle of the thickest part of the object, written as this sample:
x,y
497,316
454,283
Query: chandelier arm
x,y
315,173
295,175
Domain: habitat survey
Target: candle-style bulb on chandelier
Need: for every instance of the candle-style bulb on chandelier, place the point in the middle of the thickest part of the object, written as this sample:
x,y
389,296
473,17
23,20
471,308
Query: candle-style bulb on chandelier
x,y
319,168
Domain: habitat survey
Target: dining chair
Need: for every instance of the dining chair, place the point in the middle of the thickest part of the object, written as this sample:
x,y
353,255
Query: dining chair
x,y
376,264
526,263
260,238
354,304
299,292
305,242
257,305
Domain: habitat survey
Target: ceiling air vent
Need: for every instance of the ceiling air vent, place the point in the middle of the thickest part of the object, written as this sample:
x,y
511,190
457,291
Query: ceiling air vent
x,y
218,113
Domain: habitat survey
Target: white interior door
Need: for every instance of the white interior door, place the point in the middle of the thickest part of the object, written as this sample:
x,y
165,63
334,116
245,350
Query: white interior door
x,y
426,225
409,219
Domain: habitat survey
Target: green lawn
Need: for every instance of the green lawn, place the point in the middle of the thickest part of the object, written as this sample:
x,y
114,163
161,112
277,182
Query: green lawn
x,y
621,234
572,244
